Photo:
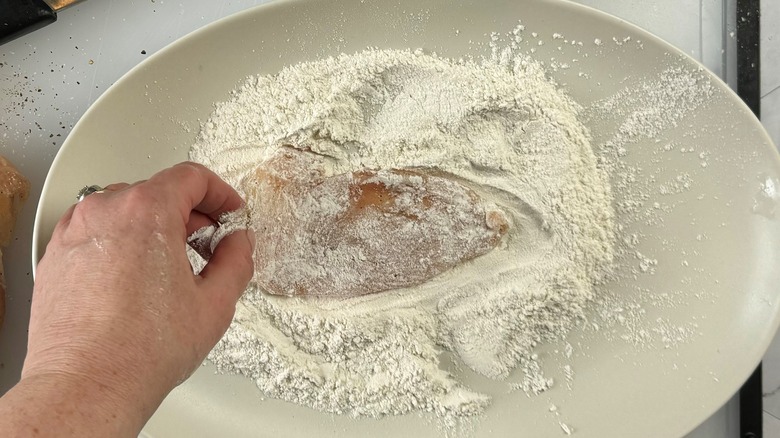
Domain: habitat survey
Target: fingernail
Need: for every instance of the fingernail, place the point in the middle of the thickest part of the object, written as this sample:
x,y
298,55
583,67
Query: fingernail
x,y
250,234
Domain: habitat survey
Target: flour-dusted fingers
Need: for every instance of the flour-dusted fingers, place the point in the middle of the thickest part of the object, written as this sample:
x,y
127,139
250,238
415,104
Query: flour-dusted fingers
x,y
229,270
197,221
190,186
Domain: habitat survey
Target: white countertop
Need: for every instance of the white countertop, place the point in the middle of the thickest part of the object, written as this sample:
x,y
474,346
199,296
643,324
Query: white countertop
x,y
49,78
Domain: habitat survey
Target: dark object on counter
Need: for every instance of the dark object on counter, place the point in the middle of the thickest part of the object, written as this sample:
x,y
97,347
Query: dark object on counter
x,y
751,410
749,89
749,54
20,17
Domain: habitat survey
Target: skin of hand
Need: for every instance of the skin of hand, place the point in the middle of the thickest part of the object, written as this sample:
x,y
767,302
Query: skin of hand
x,y
118,318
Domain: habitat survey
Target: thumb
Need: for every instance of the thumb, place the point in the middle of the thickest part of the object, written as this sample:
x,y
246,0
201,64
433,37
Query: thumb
x,y
231,265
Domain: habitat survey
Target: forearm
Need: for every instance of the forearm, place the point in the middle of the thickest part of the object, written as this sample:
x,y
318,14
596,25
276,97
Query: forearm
x,y
61,405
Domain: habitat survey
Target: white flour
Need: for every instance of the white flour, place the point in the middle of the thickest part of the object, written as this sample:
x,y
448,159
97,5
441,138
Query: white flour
x,y
501,126
635,118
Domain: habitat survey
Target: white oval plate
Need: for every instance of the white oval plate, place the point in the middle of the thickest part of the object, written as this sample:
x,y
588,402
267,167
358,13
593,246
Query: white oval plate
x,y
149,118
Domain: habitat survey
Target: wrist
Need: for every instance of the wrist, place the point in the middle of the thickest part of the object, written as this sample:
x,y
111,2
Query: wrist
x,y
64,404
104,372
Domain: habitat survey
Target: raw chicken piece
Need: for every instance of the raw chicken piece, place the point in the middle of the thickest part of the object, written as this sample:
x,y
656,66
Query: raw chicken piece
x,y
363,232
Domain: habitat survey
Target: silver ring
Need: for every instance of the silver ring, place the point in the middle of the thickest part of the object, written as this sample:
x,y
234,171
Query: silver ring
x,y
88,190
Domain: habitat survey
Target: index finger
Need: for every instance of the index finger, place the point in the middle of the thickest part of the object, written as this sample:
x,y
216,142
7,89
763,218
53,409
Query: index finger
x,y
191,186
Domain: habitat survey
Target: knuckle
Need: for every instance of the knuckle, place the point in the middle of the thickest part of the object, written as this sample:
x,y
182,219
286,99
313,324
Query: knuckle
x,y
87,204
189,170
88,207
141,198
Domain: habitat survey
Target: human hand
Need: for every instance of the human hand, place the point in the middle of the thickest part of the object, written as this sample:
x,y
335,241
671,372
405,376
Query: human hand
x,y
116,305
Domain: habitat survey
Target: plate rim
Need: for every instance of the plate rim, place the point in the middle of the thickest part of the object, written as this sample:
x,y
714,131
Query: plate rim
x,y
38,243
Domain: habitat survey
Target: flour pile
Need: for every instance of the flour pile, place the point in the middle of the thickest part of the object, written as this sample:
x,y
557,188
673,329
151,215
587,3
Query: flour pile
x,y
508,133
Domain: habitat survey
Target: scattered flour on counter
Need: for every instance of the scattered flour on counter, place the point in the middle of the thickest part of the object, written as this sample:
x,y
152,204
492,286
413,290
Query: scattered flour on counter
x,y
511,135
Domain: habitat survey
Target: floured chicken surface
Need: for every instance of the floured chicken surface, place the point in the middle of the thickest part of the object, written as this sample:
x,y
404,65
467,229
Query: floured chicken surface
x,y
362,232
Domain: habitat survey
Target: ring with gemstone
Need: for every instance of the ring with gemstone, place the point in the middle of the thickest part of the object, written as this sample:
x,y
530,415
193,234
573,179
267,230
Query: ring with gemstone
x,y
88,190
